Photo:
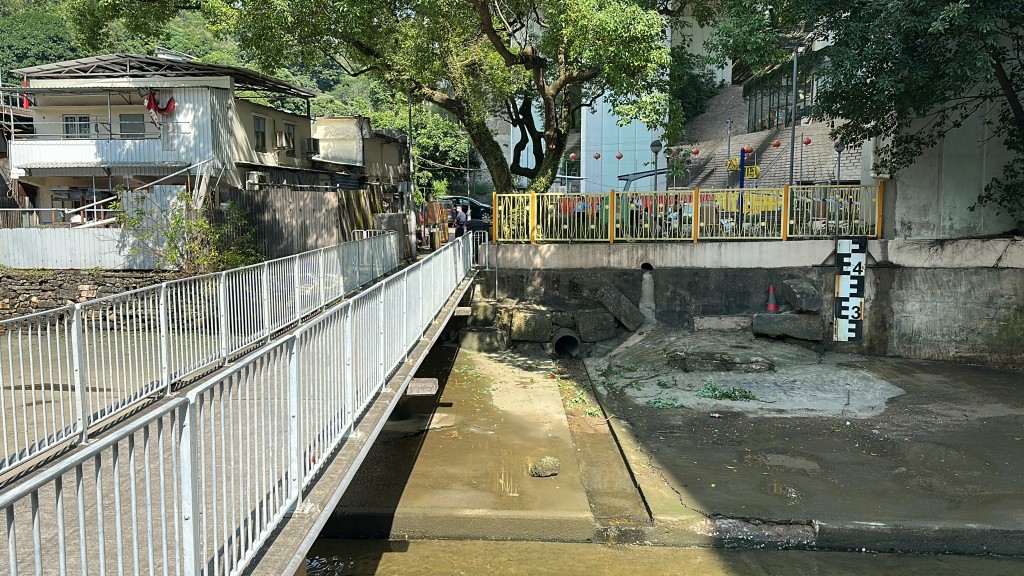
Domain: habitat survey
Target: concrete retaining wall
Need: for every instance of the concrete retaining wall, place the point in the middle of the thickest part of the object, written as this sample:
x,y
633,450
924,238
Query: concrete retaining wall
x,y
960,301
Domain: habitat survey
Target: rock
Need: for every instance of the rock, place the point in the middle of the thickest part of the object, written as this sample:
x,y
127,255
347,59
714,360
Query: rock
x,y
482,313
719,362
800,326
531,325
721,323
595,325
621,307
548,466
563,319
802,295
483,339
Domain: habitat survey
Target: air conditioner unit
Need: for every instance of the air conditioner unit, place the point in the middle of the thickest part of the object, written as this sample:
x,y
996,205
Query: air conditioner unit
x,y
311,146
255,177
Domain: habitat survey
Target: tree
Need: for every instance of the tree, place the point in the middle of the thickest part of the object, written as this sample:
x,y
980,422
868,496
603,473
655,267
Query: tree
x,y
534,63
906,72
32,35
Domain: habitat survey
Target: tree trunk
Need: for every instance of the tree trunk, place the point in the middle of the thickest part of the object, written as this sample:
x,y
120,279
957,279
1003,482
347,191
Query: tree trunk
x,y
1010,92
492,154
548,169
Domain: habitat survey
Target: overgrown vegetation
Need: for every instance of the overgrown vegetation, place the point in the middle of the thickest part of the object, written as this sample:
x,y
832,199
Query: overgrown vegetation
x,y
182,238
713,391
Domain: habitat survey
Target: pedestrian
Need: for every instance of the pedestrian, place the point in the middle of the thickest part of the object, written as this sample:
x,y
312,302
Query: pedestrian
x,y
580,211
636,207
460,222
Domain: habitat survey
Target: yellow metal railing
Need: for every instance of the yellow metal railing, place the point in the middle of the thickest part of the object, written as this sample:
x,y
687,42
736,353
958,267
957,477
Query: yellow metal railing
x,y
690,215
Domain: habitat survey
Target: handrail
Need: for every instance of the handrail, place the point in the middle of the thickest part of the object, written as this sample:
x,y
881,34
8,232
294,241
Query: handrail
x,y
789,212
198,485
65,370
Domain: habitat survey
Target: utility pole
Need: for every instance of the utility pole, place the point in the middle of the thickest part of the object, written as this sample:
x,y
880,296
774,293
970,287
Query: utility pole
x,y
792,129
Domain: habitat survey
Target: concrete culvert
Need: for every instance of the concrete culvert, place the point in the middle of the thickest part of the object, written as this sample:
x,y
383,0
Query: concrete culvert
x,y
566,342
647,266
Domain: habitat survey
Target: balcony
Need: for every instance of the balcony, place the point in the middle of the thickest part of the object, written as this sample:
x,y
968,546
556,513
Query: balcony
x,y
91,143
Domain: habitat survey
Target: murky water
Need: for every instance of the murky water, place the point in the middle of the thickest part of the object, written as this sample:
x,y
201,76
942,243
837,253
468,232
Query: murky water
x,y
432,557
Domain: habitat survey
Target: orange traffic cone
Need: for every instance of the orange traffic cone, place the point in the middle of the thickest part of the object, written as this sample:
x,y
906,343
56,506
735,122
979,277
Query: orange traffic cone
x,y
773,305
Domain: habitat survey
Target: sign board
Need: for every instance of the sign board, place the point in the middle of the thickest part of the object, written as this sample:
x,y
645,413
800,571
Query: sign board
x,y
732,164
851,264
752,172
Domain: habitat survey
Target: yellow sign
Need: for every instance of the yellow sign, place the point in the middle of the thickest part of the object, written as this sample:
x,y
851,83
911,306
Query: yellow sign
x,y
753,172
732,164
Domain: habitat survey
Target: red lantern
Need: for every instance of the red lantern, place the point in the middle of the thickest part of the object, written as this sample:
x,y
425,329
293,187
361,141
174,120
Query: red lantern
x,y
572,156
618,155
776,144
749,149
597,155
695,151
807,141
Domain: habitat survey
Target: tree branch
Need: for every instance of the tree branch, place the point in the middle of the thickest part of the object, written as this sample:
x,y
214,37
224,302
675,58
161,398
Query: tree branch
x,y
1012,99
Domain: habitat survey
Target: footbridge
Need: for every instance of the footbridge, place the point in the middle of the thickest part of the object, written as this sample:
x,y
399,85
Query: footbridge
x,y
209,425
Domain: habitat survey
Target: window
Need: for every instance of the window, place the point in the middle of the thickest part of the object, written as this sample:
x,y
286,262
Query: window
x,y
289,138
132,125
259,130
76,126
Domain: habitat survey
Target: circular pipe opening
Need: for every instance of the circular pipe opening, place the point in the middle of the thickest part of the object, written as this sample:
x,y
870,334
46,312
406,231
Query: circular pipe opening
x,y
566,343
646,266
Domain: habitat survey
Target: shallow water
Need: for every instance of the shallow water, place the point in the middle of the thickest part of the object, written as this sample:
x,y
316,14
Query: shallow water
x,y
472,558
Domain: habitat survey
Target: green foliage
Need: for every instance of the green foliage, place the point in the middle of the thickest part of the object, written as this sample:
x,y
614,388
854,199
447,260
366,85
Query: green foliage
x,y
31,36
184,239
661,403
904,73
691,85
524,61
712,390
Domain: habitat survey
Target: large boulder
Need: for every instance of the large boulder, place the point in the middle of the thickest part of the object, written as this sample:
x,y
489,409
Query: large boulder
x,y
710,361
595,325
532,325
799,326
483,313
621,307
483,339
802,295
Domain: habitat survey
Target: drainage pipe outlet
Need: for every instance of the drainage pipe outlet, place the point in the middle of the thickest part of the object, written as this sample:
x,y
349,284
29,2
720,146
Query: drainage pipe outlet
x,y
566,342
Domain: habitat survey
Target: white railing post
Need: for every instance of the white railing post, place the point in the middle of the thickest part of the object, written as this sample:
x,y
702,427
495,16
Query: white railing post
x,y
189,477
349,380
265,290
405,311
297,283
165,345
295,460
419,299
222,309
380,336
81,403
321,280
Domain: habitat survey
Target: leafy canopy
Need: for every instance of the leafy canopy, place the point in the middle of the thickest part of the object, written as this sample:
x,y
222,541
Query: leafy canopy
x,y
532,62
903,71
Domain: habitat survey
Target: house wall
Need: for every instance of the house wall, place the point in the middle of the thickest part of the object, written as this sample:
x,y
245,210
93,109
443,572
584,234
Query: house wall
x,y
243,139
933,197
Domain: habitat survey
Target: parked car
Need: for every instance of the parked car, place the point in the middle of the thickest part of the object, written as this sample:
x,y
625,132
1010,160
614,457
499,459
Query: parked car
x,y
475,209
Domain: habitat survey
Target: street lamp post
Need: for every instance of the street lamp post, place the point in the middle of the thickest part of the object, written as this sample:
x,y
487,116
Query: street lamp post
x,y
728,149
655,148
792,134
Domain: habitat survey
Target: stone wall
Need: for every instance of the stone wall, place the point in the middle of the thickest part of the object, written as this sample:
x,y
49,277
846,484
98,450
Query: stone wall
x,y
27,291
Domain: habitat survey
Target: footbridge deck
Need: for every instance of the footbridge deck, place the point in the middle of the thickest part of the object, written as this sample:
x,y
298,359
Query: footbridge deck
x,y
231,474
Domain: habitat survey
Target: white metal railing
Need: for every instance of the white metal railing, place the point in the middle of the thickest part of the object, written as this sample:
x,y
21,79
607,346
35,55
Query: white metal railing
x,y
66,370
198,485
95,127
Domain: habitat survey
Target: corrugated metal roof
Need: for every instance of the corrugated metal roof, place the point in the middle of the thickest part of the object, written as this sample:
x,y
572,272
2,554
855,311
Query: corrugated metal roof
x,y
137,66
